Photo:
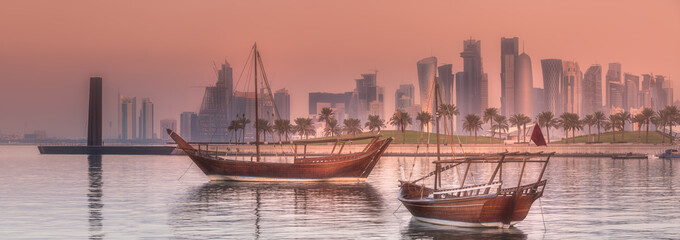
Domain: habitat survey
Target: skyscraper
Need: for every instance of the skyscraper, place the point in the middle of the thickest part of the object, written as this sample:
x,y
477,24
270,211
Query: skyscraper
x,y
377,106
215,112
167,124
509,51
367,92
426,72
524,84
127,118
570,90
334,100
282,100
446,82
146,122
592,90
404,96
472,83
613,80
188,125
632,86
552,76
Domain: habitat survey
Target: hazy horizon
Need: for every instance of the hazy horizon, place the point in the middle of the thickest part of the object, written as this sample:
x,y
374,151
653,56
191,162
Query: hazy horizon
x,y
165,50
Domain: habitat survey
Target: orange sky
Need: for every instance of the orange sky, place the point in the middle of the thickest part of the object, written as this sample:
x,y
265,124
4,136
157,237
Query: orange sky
x,y
164,49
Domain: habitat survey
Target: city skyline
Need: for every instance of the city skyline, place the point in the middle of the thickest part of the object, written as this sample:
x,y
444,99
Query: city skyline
x,y
174,70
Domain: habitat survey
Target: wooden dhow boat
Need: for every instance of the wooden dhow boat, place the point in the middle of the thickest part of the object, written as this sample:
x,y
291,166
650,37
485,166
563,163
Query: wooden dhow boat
x,y
333,167
488,204
354,167
492,203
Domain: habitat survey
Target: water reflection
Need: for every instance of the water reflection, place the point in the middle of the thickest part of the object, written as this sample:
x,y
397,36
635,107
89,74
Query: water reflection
x,y
419,230
94,196
275,210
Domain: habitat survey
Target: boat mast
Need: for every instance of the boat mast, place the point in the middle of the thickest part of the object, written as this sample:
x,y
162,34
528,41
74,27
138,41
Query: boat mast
x,y
437,177
257,116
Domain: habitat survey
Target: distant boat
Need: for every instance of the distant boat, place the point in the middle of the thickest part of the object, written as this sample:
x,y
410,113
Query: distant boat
x,y
486,204
629,155
333,167
669,153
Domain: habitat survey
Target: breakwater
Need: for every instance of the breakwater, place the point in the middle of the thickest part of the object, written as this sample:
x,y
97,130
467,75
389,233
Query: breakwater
x,y
574,150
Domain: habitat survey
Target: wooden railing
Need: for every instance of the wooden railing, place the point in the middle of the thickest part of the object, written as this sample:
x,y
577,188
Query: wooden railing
x,y
524,189
468,191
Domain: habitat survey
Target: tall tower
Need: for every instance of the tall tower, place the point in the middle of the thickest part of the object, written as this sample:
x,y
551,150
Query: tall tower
x,y
474,79
146,121
571,87
592,90
282,100
94,119
426,72
509,50
552,76
446,82
614,82
524,85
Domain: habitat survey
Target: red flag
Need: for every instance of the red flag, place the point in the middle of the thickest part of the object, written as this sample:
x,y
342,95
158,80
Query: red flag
x,y
537,136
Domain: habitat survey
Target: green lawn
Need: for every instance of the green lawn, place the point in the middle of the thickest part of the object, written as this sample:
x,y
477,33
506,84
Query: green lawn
x,y
413,137
629,137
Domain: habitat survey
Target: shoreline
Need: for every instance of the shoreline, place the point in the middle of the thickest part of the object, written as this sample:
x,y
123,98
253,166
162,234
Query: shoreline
x,y
561,150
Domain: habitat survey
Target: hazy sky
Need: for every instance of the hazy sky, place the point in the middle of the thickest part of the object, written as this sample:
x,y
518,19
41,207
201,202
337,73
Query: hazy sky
x,y
164,49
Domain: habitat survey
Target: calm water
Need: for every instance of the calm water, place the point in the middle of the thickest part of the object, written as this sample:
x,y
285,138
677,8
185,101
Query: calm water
x,y
114,197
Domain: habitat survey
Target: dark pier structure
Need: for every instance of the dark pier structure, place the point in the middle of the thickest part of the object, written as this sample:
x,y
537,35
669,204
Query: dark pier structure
x,y
94,133
94,119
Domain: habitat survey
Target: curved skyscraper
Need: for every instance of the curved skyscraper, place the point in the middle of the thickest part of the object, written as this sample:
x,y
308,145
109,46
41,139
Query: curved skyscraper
x,y
552,75
426,72
524,84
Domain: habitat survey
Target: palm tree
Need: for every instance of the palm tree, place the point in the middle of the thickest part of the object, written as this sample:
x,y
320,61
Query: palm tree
x,y
304,127
232,128
351,126
443,111
282,127
265,127
488,117
401,120
589,120
515,120
374,122
472,123
244,122
524,121
424,118
648,115
613,123
564,123
548,120
574,124
624,117
673,115
332,128
599,119
640,120
662,120
453,111
326,115
501,125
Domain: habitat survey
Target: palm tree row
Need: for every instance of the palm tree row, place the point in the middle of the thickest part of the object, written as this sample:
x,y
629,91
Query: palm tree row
x,y
471,123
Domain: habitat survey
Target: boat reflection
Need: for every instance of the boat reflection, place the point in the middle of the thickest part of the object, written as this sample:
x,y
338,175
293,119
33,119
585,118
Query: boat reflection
x,y
237,209
94,196
419,230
